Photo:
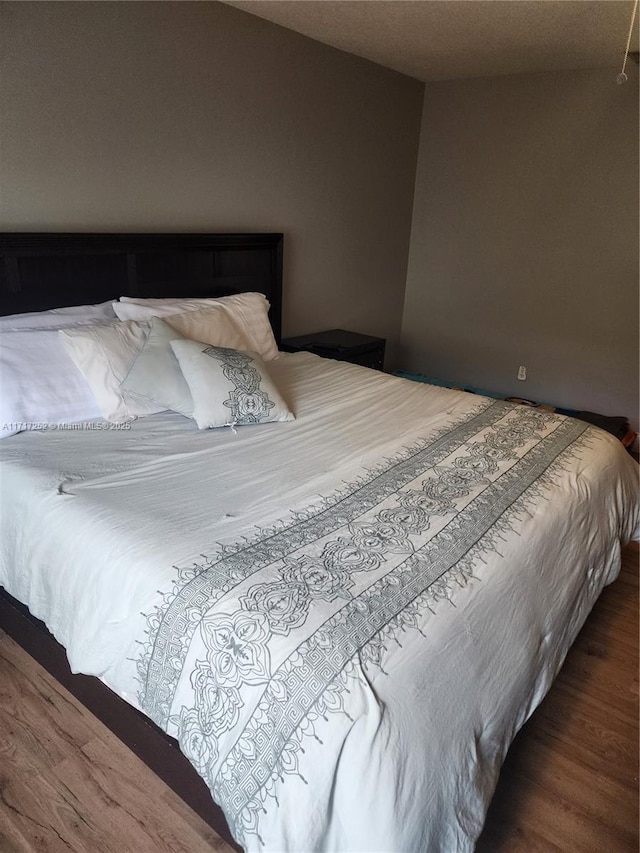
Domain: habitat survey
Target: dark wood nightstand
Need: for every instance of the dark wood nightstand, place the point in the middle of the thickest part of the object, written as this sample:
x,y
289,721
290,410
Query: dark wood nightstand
x,y
341,345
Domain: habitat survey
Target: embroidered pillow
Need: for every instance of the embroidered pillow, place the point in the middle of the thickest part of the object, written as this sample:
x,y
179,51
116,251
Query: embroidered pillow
x,y
229,387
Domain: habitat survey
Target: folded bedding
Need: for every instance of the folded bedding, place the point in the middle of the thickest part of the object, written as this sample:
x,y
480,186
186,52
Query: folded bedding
x,y
345,618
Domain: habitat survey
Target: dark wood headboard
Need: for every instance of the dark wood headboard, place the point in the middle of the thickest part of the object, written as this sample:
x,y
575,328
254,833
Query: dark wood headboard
x,y
42,271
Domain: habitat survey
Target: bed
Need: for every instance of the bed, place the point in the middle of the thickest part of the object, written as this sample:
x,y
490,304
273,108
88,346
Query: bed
x,y
343,619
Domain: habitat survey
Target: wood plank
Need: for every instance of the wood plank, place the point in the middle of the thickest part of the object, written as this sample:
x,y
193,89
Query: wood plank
x,y
159,752
68,784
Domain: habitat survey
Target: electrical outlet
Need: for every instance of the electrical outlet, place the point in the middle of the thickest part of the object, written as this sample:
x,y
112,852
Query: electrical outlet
x,y
522,373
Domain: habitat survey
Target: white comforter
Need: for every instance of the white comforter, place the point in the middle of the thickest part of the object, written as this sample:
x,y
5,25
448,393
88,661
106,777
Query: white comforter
x,y
344,619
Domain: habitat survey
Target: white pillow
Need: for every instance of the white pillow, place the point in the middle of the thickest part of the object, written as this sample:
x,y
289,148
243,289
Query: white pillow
x,y
212,325
59,317
249,311
228,387
40,385
104,355
155,373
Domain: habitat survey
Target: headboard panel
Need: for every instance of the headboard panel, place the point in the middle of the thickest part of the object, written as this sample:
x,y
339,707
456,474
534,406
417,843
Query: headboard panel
x,y
42,271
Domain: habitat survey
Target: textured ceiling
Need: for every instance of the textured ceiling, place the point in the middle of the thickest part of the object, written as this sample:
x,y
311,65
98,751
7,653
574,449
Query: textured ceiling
x,y
445,39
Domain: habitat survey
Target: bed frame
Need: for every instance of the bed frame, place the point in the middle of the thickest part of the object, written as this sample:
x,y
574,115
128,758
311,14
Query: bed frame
x,y
42,271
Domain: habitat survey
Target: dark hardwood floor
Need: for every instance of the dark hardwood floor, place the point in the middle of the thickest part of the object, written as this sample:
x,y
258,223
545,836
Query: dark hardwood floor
x,y
570,782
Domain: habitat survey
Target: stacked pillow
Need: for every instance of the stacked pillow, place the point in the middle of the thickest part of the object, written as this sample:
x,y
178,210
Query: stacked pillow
x,y
204,359
40,383
58,317
248,311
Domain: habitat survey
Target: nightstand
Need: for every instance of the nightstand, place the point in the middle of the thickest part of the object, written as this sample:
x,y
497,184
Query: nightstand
x,y
341,345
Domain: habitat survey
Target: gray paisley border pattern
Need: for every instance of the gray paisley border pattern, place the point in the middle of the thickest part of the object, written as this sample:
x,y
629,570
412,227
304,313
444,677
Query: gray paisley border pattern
x,y
171,627
248,403
374,556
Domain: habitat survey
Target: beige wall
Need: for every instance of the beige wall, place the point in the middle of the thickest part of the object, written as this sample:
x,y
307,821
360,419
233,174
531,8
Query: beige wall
x,y
196,116
524,245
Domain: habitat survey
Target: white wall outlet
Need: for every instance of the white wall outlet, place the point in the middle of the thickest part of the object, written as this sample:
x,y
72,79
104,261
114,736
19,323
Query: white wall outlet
x,y
522,373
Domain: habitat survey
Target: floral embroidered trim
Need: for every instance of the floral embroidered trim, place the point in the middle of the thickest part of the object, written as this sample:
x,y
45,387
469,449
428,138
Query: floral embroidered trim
x,y
171,626
376,557
248,403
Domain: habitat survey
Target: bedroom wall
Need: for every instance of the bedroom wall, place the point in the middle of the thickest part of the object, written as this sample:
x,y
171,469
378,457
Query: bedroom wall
x,y
524,245
196,116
